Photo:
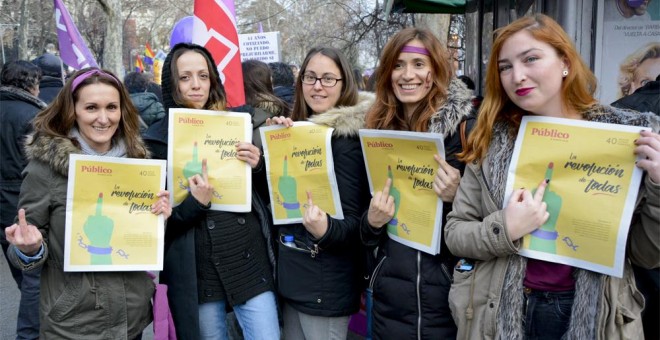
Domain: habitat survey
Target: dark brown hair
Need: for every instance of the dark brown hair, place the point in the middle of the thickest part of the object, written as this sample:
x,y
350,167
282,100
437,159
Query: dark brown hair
x,y
349,91
258,86
217,97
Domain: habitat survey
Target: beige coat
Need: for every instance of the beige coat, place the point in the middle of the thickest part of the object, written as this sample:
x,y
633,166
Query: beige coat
x,y
476,229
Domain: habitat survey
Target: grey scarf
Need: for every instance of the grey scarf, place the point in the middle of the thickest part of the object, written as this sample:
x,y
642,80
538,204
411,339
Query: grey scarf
x,y
588,285
117,149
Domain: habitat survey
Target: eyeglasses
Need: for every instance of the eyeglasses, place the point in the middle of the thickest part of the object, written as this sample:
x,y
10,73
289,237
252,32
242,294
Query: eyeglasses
x,y
325,81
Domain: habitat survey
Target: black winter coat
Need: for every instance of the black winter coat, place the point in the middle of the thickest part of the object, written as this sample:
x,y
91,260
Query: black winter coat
x,y
180,270
286,93
644,99
180,263
410,287
17,109
323,277
49,88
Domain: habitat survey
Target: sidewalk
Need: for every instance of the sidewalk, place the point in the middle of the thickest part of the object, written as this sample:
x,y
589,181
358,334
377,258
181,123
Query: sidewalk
x,y
9,297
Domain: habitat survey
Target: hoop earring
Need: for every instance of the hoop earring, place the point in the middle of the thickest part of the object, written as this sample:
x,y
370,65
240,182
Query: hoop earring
x,y
564,73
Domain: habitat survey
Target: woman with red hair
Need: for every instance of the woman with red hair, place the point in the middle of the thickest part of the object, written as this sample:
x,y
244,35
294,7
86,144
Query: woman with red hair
x,y
534,69
415,91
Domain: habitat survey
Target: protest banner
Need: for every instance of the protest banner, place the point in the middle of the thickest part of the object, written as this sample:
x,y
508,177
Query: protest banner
x,y
260,46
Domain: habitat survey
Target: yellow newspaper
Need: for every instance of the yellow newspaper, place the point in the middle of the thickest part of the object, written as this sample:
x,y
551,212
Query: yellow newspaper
x,y
407,158
592,191
196,135
109,224
299,160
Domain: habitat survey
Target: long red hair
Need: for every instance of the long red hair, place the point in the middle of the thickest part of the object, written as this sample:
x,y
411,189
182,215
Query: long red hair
x,y
387,112
577,91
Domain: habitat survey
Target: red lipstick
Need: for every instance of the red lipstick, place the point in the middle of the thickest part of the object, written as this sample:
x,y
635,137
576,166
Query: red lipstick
x,y
524,91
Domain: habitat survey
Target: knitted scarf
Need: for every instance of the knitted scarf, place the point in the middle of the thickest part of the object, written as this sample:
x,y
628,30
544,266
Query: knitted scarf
x,y
118,148
589,286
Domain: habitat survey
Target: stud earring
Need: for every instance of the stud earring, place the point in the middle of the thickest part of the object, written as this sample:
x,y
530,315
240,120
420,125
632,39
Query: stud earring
x,y
565,73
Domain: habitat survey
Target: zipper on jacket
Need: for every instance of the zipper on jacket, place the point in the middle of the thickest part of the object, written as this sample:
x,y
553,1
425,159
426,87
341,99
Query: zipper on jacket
x,y
446,272
490,194
419,298
375,273
315,250
94,290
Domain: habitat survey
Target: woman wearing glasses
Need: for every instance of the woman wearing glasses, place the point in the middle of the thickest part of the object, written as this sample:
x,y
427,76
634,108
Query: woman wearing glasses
x,y
415,91
321,289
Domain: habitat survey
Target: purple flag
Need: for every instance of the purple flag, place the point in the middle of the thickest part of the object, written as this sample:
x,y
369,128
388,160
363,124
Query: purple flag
x,y
261,28
73,50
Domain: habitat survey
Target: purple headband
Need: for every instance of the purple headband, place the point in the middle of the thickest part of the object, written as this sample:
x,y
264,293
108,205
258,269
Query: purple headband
x,y
94,72
415,49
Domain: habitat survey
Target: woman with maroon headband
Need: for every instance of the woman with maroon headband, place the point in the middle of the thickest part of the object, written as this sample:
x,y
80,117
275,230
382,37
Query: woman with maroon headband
x,y
92,115
416,91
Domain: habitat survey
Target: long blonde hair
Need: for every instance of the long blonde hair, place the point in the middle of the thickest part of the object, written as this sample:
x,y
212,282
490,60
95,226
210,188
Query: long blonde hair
x,y
631,63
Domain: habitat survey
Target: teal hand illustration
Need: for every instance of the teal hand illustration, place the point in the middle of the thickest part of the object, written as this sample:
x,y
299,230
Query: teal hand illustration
x,y
545,238
394,192
98,229
194,167
288,189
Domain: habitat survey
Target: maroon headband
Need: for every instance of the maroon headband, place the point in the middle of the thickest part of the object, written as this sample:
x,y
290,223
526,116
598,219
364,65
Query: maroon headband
x,y
93,72
415,49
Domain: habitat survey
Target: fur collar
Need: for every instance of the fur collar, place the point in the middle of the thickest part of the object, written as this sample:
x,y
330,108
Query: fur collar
x,y
14,93
53,151
455,109
588,285
613,115
346,120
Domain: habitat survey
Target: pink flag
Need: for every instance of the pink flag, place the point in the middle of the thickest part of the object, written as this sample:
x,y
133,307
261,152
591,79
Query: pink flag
x,y
73,50
215,29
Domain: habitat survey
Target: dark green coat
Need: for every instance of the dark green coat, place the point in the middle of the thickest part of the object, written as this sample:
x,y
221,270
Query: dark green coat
x,y
92,305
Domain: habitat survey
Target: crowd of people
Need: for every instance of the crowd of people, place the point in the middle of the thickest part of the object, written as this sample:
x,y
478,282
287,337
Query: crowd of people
x,y
477,287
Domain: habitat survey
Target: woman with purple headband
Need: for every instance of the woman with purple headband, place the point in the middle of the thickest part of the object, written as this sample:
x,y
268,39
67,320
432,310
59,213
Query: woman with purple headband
x,y
415,91
92,115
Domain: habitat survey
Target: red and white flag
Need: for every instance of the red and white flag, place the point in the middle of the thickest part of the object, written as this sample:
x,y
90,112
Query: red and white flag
x,y
215,29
